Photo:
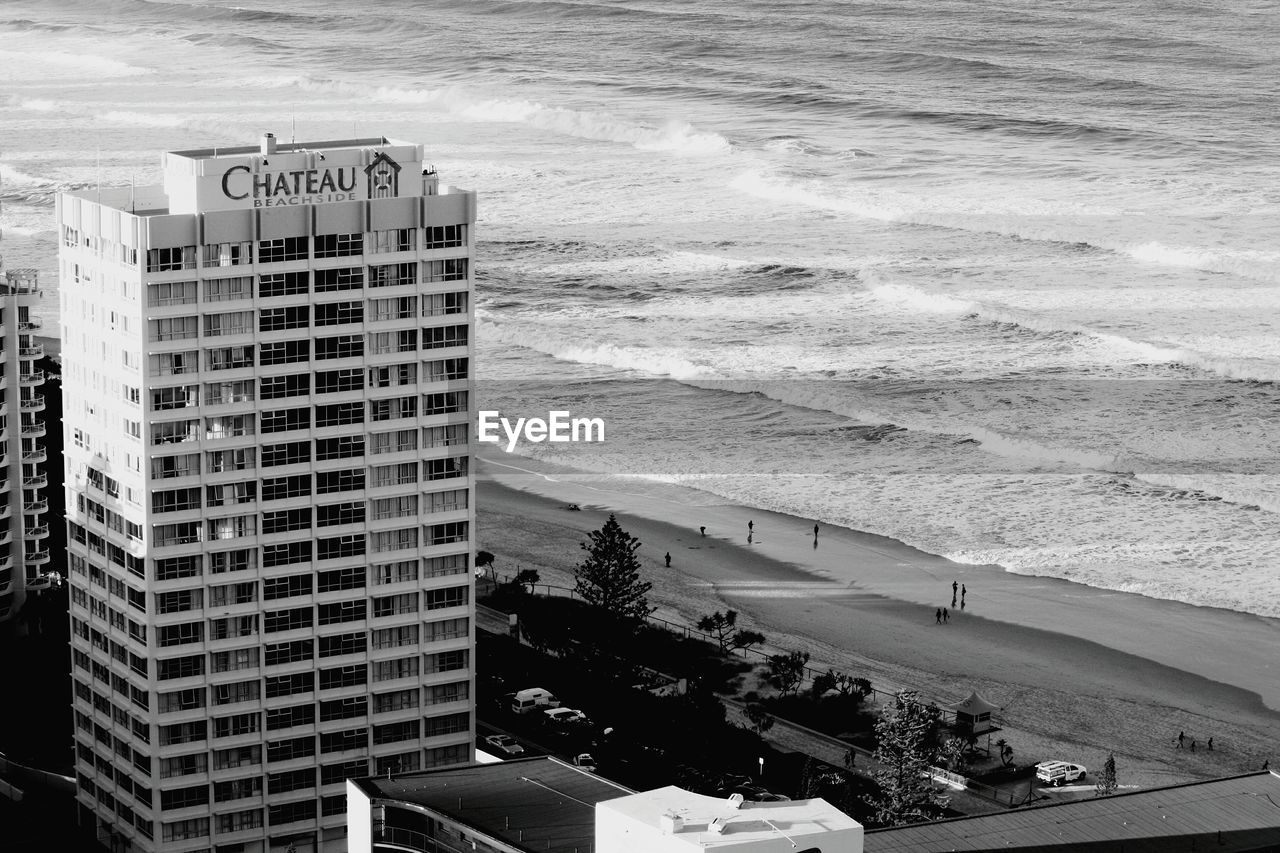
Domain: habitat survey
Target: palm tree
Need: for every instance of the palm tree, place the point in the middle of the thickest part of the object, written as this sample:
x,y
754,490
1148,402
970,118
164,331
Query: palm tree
x,y
1006,752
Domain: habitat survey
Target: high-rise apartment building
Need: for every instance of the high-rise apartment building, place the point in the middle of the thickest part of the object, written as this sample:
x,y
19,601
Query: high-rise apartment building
x,y
24,528
267,392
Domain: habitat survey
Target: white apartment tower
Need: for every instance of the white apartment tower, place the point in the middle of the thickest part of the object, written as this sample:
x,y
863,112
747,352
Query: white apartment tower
x,y
24,530
267,398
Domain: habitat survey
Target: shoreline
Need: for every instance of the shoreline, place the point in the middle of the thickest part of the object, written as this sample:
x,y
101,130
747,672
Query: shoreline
x,y
1237,649
1065,694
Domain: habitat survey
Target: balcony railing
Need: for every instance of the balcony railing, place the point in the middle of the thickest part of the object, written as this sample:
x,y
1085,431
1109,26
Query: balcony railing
x,y
34,429
36,351
32,403
41,505
32,456
39,481
40,531
36,557
30,325
34,377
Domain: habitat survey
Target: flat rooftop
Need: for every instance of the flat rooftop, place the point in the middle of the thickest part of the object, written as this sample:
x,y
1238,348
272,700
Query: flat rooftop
x,y
747,823
533,804
1234,814
282,147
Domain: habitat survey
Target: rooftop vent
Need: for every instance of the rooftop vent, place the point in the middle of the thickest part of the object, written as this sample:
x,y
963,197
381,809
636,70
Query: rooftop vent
x,y
670,823
268,144
735,801
717,826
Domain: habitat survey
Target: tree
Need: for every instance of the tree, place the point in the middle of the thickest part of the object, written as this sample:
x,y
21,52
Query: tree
x,y
723,629
786,672
1107,778
844,685
954,752
760,719
526,576
1006,752
484,560
609,578
905,749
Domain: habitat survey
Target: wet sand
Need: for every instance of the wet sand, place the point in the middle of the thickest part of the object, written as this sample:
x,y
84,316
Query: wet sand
x,y
1078,671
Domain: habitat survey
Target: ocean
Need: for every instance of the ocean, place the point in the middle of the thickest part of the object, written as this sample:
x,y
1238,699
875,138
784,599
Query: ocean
x,y
999,280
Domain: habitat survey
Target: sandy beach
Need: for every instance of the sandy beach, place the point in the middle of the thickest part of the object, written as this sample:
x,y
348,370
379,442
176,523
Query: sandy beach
x,y
1078,671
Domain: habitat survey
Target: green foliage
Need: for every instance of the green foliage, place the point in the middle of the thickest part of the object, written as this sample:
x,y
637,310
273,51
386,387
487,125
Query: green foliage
x,y
1006,752
1107,784
526,576
483,559
786,671
905,749
720,626
609,578
761,720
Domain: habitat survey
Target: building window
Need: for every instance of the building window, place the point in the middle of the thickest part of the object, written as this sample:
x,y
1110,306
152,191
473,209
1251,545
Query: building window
x,y
344,740
393,308
228,323
444,236
228,358
446,533
446,269
396,732
393,408
228,426
228,289
239,459
287,620
445,403
440,304
163,294
393,275
230,694
228,254
231,494
438,337
285,352
291,780
340,579
290,685
288,385
283,249
222,393
174,328
395,441
347,480
340,547
444,436
339,245
333,774
279,654
448,501
237,789
285,520
393,670
343,346
281,319
302,810
344,513
284,420
288,717
240,560
341,447
339,313
397,572
444,469
348,278
286,554
435,599
392,240
446,661
282,284
395,605
286,587
395,540
282,488
169,259
173,363
176,397
238,756
337,612
386,376
291,748
290,453
338,381
400,474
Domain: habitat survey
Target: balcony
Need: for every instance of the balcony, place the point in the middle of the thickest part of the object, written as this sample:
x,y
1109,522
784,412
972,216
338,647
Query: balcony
x,y
39,481
40,531
33,457
36,351
36,430
36,558
35,377
36,506
32,404
30,326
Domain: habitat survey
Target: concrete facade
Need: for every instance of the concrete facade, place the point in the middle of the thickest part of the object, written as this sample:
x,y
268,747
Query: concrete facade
x,y
267,405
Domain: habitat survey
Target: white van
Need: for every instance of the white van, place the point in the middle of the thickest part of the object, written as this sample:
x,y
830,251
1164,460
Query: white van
x,y
1058,772
533,699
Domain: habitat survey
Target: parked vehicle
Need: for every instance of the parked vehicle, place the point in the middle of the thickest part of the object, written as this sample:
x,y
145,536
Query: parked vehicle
x,y
533,699
585,761
1058,772
565,716
506,743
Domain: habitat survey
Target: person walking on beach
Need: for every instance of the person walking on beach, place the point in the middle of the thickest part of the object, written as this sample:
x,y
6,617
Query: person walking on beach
x,y
1181,737
1211,744
815,530
937,616
668,559
1266,765
1193,744
751,525
946,615
703,531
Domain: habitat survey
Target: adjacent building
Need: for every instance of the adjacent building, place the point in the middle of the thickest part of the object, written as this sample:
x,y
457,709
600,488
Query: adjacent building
x,y
267,398
24,526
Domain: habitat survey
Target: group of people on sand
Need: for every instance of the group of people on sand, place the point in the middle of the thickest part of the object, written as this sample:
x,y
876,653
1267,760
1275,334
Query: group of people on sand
x,y
942,615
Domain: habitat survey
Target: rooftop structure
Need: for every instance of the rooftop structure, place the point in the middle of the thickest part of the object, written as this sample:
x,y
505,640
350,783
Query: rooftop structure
x,y
1240,813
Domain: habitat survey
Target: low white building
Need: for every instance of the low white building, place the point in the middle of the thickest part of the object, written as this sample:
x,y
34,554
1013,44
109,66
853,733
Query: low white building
x,y
672,820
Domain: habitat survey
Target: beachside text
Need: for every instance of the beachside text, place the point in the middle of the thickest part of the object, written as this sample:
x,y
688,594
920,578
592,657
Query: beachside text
x,y
559,426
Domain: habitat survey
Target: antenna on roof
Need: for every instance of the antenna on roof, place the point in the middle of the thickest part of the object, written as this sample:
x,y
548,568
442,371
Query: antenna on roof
x,y
132,207
99,174
293,134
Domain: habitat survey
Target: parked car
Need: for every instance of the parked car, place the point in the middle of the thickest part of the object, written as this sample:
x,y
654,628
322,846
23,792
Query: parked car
x,y
506,743
533,699
1058,772
565,716
585,761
